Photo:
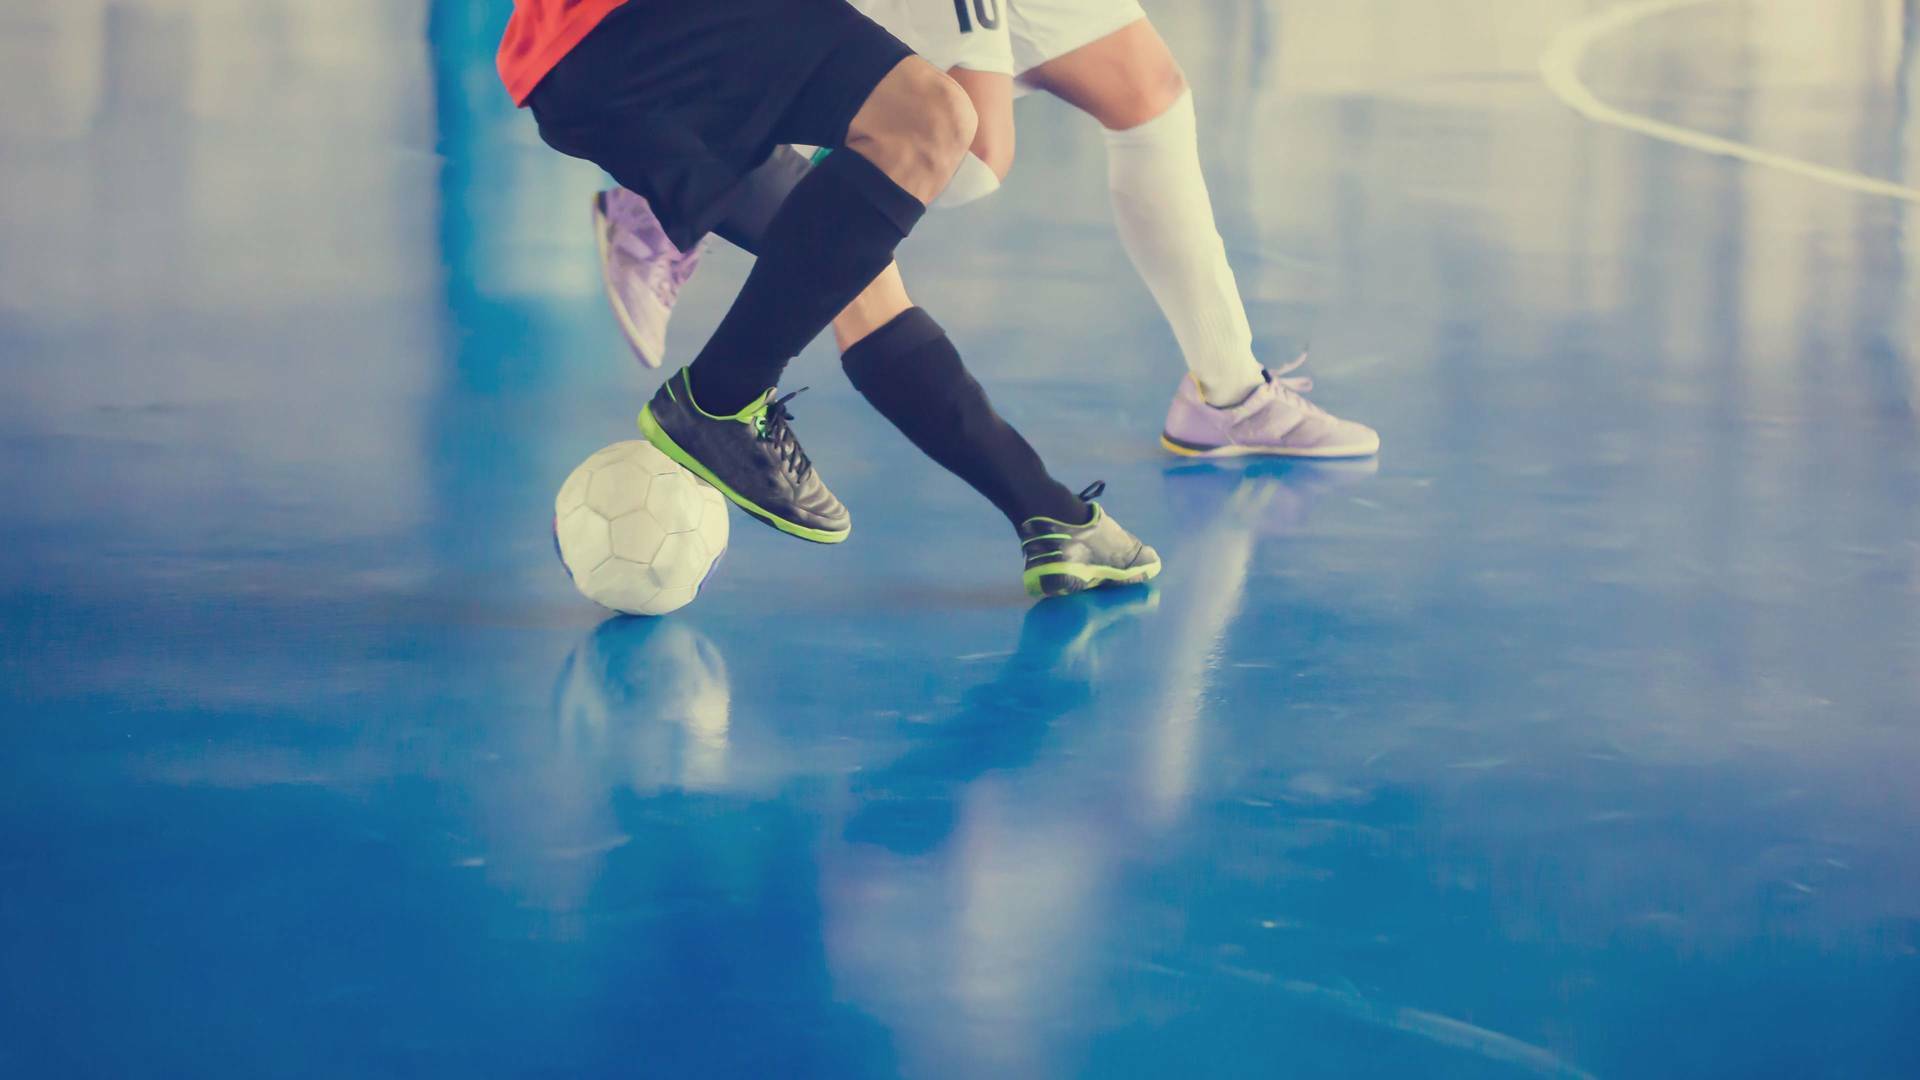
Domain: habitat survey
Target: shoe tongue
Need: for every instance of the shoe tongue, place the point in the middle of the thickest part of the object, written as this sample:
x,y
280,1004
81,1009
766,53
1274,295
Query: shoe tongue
x,y
763,412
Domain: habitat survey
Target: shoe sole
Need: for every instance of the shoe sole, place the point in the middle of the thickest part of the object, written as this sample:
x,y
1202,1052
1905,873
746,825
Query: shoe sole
x,y
628,328
1195,450
651,430
1065,579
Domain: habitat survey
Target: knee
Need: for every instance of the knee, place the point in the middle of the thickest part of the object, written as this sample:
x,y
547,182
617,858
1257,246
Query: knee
x,y
1146,95
947,123
916,128
1170,85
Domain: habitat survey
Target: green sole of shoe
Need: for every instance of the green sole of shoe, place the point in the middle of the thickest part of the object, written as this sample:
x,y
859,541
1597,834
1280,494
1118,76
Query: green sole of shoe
x,y
651,430
1058,580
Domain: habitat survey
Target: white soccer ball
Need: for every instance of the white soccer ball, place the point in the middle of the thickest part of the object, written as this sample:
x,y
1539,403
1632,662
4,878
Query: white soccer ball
x,y
637,532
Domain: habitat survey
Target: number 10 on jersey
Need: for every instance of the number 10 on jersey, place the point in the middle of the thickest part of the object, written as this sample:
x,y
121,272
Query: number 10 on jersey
x,y
987,11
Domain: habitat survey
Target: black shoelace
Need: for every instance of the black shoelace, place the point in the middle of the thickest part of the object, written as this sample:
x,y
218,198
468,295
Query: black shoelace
x,y
1094,491
775,430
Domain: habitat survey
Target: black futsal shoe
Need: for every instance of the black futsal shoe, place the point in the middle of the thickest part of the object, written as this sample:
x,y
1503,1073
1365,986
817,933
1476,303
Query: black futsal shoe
x,y
1063,559
751,456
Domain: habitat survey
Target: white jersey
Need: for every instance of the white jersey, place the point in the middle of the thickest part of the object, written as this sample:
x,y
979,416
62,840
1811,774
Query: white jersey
x,y
1006,37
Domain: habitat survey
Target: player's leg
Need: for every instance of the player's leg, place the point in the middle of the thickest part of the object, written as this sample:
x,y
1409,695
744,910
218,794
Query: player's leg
x,y
644,271
970,41
902,361
904,364
899,372
619,98
991,157
835,233
1129,81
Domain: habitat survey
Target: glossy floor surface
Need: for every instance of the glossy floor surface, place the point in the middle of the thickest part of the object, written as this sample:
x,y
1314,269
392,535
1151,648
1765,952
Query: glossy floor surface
x,y
1579,736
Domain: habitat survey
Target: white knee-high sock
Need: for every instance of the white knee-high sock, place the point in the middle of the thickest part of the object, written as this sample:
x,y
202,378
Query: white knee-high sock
x,y
1165,218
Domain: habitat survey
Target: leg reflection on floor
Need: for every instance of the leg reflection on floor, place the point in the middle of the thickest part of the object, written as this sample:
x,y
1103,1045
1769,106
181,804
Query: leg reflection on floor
x,y
1002,816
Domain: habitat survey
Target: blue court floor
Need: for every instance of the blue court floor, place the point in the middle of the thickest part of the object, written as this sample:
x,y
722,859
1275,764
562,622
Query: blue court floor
x,y
1578,735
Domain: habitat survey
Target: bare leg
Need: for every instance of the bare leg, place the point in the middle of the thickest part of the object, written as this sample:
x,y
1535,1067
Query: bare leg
x,y
881,303
1122,80
915,126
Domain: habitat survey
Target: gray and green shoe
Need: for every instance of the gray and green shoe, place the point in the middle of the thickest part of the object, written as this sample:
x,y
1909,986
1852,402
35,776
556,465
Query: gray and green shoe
x,y
1063,559
751,456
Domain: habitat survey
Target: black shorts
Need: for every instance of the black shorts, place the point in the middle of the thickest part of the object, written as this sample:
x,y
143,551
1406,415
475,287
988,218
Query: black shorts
x,y
680,99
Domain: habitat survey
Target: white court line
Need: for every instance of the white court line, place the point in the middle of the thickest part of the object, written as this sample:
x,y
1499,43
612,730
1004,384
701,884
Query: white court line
x,y
1560,68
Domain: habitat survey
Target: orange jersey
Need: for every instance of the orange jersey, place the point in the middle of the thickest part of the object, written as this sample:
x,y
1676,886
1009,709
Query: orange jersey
x,y
540,34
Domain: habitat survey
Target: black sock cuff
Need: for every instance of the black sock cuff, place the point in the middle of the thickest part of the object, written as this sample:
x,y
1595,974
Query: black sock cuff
x,y
875,187
907,332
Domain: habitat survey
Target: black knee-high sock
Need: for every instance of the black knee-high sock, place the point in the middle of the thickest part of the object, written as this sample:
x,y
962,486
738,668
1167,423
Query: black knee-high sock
x,y
912,374
833,236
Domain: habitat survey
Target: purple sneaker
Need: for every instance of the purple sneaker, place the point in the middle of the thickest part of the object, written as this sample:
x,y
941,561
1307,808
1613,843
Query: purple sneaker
x,y
642,268
1274,420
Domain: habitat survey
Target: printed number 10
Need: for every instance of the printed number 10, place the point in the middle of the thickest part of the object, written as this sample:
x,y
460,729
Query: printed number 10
x,y
987,11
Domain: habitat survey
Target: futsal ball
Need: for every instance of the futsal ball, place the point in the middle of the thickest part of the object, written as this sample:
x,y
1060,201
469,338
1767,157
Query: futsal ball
x,y
637,532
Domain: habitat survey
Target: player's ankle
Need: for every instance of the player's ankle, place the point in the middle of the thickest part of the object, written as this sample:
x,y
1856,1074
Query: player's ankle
x,y
1228,393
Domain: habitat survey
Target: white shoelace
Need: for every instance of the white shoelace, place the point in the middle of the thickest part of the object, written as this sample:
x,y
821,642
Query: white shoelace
x,y
1294,386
